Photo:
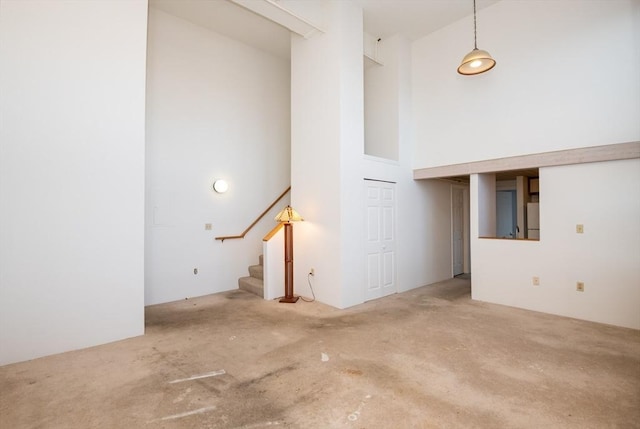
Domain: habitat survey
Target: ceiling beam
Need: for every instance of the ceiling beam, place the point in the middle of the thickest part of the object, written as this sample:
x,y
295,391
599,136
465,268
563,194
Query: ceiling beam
x,y
281,15
583,155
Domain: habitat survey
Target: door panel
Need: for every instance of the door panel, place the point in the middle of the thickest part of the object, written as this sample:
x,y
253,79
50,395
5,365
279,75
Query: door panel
x,y
388,223
373,266
373,225
381,260
388,271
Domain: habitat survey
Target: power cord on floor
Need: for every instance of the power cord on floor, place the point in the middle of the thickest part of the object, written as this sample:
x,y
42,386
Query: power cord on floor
x,y
310,287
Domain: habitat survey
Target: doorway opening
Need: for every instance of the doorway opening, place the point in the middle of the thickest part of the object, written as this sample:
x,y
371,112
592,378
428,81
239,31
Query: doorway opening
x,y
506,214
460,225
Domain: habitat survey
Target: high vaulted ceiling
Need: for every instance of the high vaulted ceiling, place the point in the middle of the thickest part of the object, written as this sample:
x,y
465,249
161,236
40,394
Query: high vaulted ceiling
x,y
414,18
382,18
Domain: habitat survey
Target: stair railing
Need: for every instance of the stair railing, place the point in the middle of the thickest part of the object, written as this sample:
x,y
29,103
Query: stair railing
x,y
273,232
230,237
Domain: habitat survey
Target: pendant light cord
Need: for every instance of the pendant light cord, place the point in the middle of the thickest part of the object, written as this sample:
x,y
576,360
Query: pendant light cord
x,y
475,39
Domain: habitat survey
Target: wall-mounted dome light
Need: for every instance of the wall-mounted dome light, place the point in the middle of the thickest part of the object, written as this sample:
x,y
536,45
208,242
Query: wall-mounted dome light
x,y
220,186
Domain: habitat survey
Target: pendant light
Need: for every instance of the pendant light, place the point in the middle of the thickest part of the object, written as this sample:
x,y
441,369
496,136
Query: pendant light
x,y
476,61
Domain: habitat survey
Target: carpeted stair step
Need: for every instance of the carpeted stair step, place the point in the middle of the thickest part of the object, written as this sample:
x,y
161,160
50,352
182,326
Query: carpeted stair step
x,y
256,271
252,285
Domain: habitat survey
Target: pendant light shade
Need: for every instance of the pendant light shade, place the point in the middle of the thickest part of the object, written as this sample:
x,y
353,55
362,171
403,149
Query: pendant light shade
x,y
477,61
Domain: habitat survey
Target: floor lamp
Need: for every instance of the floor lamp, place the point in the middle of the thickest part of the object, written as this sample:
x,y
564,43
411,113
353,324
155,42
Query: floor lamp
x,y
286,216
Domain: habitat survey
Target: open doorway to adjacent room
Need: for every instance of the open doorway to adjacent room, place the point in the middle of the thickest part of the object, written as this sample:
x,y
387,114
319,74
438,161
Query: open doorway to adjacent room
x,y
460,247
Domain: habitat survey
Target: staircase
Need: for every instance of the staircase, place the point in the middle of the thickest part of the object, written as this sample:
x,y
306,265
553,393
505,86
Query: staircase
x,y
254,283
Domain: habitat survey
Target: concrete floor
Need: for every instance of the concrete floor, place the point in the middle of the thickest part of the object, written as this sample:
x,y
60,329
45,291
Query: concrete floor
x,y
429,358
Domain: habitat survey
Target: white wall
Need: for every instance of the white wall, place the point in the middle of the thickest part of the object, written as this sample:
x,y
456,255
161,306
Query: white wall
x,y
329,165
381,94
577,86
605,198
274,267
314,170
566,77
423,208
327,144
71,175
216,108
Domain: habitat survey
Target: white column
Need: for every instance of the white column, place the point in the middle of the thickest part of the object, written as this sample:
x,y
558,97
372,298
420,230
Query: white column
x,y
327,144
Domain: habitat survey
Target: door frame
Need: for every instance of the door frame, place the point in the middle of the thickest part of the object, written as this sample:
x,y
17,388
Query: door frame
x,y
466,227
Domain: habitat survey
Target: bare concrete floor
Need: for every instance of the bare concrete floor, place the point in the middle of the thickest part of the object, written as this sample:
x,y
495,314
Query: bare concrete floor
x,y
429,358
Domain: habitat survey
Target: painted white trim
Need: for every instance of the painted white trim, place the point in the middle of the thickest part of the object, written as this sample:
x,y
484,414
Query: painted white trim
x,y
275,12
374,158
583,155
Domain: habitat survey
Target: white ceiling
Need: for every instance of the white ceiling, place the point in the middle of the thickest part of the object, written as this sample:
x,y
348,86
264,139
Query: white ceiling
x,y
414,18
231,20
382,18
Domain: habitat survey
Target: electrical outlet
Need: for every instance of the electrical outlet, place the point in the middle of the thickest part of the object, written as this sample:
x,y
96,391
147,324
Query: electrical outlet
x,y
207,227
312,271
580,228
580,286
536,281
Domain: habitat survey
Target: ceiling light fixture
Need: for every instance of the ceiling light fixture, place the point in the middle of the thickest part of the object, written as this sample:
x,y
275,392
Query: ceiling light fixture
x,y
476,61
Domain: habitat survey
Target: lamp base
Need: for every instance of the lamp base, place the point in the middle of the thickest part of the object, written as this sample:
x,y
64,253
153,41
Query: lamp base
x,y
290,300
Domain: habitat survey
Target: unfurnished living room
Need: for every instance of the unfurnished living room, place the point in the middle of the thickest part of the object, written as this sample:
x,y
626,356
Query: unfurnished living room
x,y
319,213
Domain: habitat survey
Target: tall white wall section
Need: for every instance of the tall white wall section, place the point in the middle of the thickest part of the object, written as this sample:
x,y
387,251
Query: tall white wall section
x,y
566,77
71,174
327,146
216,108
423,221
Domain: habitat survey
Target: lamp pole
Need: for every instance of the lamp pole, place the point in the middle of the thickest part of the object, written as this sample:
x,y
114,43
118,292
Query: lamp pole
x,y
288,264
286,216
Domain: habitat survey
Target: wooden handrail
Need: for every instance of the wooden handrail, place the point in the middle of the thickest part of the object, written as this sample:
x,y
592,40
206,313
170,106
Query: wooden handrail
x,y
229,237
273,232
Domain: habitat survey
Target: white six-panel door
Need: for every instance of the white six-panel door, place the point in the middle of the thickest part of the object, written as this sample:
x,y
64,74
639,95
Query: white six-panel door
x,y
381,236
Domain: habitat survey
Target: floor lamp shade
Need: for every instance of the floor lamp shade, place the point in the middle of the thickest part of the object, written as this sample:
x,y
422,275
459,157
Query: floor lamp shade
x,y
288,214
